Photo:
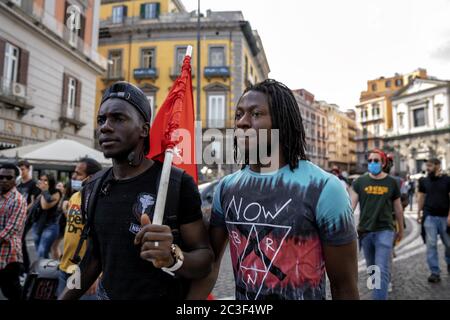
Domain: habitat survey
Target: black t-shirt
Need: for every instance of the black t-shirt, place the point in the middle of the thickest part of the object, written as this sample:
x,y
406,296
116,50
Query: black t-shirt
x,y
126,276
29,189
436,191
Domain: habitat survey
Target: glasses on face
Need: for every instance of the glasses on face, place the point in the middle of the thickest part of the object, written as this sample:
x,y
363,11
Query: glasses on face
x,y
9,178
373,160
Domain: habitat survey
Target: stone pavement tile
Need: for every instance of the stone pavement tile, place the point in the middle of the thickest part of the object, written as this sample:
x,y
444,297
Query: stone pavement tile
x,y
410,280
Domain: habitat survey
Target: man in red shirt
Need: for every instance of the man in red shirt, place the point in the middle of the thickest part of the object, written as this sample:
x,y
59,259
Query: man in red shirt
x,y
13,211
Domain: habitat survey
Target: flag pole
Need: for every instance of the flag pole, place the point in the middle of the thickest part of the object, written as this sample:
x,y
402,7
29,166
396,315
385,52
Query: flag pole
x,y
165,177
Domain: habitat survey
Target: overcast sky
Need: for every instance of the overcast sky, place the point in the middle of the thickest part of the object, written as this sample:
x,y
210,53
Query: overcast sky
x,y
332,48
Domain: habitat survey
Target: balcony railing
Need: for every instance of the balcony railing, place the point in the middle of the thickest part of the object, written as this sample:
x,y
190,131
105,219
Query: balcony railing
x,y
145,73
15,94
175,72
60,29
217,72
71,115
114,75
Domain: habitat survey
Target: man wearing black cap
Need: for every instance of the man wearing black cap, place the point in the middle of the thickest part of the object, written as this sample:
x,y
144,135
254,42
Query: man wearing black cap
x,y
138,260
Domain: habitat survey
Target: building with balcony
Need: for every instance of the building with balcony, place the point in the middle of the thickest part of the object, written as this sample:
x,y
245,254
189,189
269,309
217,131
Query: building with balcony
x,y
374,112
421,125
145,43
315,125
48,71
340,138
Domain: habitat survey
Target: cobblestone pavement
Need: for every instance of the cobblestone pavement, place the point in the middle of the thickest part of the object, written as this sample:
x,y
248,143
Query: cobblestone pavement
x,y
410,271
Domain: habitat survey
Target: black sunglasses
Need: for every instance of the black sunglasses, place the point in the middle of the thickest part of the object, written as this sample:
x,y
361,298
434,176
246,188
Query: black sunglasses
x,y
373,160
9,178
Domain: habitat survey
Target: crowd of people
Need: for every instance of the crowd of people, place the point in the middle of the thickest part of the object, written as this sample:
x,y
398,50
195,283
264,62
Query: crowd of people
x,y
287,229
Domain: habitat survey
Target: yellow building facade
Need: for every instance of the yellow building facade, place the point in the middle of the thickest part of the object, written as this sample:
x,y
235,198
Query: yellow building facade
x,y
145,43
374,112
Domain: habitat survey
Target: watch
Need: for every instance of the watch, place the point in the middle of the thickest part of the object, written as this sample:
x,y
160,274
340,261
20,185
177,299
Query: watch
x,y
178,256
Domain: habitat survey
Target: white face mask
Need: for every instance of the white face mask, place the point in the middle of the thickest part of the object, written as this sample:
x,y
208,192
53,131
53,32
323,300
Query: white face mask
x,y
76,184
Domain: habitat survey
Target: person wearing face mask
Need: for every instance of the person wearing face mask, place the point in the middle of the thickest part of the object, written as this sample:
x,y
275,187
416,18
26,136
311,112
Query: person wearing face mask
x,y
434,214
85,168
378,195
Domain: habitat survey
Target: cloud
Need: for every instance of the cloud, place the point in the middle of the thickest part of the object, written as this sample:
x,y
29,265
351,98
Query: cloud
x,y
442,52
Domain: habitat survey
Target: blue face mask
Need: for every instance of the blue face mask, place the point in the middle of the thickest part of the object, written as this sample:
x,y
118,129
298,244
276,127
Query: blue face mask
x,y
76,184
375,168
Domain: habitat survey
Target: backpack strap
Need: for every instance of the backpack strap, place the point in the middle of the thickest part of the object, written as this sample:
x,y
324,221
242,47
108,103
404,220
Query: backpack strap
x,y
89,196
173,202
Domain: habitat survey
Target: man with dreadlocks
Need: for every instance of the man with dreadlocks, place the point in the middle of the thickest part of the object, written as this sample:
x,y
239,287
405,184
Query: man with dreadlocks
x,y
285,226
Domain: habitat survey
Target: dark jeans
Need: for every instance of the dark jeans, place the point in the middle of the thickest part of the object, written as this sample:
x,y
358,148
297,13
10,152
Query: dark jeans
x,y
26,258
9,281
62,282
44,239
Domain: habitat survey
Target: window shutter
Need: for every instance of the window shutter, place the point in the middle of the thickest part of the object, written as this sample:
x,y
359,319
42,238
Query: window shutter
x,y
78,94
125,11
65,90
2,56
143,11
23,66
82,30
158,9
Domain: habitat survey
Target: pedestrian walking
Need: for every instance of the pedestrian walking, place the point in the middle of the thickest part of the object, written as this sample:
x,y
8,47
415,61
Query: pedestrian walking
x,y
434,214
46,215
29,190
84,170
378,195
138,260
288,225
13,212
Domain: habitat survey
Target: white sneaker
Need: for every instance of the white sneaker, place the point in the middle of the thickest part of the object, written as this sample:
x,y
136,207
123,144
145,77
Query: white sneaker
x,y
390,287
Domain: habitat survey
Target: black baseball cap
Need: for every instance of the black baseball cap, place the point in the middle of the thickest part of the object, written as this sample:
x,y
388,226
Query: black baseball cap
x,y
129,92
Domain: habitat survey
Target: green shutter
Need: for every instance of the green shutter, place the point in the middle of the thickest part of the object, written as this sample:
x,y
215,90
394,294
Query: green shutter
x,y
158,9
143,11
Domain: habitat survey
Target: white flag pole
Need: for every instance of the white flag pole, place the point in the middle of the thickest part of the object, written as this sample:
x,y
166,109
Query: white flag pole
x,y
165,177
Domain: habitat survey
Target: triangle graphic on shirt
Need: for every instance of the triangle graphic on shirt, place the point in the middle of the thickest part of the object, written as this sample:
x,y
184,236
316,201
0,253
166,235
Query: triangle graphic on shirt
x,y
260,250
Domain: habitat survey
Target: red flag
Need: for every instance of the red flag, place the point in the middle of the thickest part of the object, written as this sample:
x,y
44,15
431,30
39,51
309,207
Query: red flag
x,y
174,124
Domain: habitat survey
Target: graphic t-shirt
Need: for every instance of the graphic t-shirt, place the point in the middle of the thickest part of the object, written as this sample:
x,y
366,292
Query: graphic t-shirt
x,y
437,190
277,225
28,189
74,227
376,199
126,276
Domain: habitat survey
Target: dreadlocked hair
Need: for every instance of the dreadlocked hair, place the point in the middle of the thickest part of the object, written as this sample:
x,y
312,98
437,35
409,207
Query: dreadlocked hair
x,y
286,117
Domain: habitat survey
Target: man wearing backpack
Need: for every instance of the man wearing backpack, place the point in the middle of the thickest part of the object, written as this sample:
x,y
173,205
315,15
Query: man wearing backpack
x,y
84,169
138,260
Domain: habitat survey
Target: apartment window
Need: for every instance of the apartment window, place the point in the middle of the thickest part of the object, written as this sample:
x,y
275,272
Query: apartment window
x,y
217,56
118,14
398,82
179,57
115,68
377,144
151,100
439,112
11,64
150,10
71,97
376,129
388,83
216,111
75,33
401,123
246,67
419,117
148,58
374,87
375,110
